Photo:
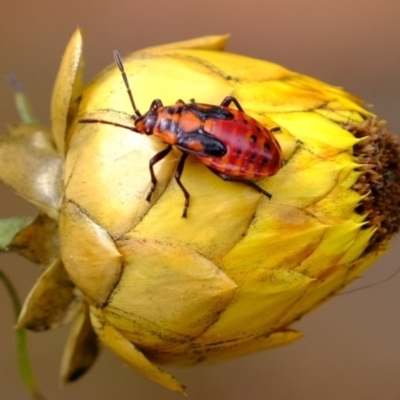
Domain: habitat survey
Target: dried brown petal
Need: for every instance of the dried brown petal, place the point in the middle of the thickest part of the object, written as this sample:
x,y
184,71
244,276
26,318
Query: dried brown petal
x,y
49,301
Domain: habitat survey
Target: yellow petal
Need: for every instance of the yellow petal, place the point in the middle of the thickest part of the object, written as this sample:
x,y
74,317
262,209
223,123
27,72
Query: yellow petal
x,y
213,42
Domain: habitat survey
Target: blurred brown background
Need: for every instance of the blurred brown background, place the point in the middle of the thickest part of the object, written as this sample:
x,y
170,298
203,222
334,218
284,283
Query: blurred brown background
x,y
352,348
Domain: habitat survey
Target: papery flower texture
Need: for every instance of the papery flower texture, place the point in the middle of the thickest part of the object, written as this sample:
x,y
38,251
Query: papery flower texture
x,y
232,277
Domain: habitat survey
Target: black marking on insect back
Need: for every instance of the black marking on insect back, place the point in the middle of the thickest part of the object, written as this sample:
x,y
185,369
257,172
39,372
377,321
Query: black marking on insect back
x,y
212,147
264,161
238,153
169,110
164,124
209,112
252,158
267,146
173,110
167,125
253,139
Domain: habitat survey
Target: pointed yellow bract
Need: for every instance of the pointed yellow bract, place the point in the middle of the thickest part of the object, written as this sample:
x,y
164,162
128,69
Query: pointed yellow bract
x,y
131,355
81,349
67,87
102,268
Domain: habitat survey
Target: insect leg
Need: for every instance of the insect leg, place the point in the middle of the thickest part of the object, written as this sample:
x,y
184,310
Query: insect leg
x,y
154,160
178,174
276,129
228,100
244,181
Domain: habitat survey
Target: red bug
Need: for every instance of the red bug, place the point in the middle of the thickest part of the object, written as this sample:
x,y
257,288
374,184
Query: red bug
x,y
233,145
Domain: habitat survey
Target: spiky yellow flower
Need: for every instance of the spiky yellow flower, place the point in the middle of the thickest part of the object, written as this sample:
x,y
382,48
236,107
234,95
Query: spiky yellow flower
x,y
229,279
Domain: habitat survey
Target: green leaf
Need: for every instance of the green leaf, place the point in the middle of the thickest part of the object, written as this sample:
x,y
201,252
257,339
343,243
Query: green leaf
x,y
9,227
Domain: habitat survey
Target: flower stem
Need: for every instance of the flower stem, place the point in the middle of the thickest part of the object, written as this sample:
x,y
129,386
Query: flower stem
x,y
22,102
22,348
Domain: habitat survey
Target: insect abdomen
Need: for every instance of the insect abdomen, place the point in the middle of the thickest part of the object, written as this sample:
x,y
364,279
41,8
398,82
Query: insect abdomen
x,y
252,150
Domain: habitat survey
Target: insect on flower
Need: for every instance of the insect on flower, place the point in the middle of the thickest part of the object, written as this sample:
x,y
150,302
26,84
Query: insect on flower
x,y
233,145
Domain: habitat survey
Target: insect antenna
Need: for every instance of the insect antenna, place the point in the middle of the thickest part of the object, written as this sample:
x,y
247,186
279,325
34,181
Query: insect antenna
x,y
118,61
371,284
104,121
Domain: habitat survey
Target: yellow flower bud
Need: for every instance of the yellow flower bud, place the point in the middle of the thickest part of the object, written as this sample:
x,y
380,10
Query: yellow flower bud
x,y
230,278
